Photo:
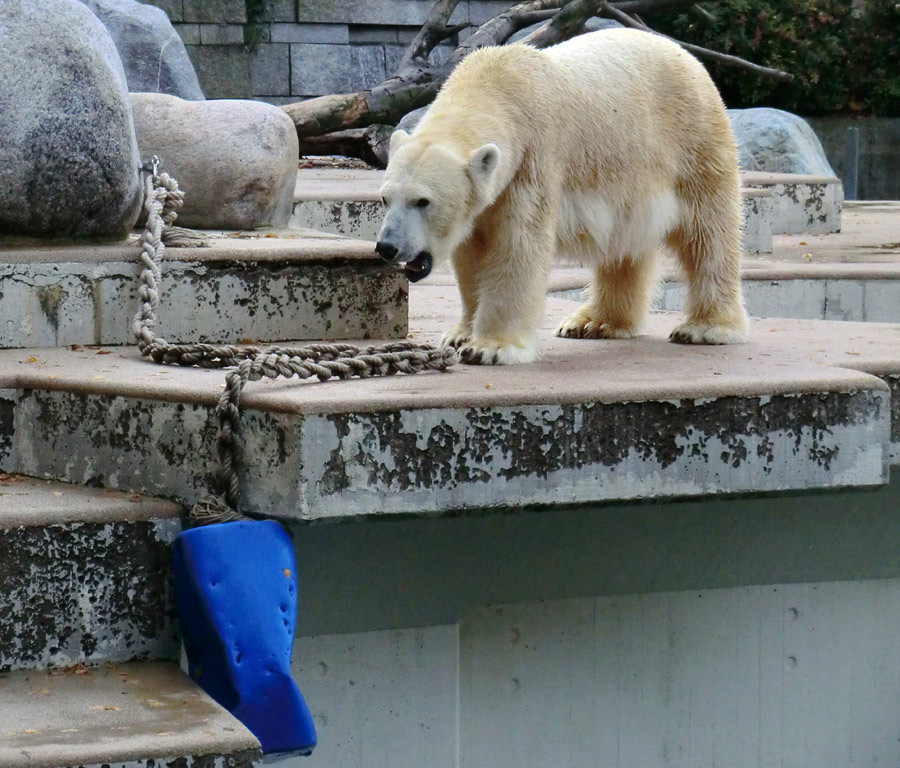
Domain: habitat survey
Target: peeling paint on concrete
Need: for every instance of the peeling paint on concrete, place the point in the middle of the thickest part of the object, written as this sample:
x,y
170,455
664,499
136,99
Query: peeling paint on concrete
x,y
247,759
354,218
803,205
757,213
8,398
161,448
87,593
55,304
439,460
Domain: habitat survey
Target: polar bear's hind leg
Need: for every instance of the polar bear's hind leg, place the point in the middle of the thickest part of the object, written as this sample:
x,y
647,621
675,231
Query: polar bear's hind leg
x,y
621,293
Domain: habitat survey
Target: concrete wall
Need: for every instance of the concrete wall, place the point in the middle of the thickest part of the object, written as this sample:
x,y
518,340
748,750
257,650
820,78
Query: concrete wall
x,y
286,50
739,632
879,152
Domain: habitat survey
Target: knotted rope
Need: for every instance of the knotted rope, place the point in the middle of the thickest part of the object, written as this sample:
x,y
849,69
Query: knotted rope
x,y
162,199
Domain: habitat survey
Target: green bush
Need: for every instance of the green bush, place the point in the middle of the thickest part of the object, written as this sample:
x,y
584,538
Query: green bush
x,y
842,63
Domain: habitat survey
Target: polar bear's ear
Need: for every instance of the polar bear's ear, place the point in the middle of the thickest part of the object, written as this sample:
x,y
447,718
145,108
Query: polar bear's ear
x,y
398,139
483,164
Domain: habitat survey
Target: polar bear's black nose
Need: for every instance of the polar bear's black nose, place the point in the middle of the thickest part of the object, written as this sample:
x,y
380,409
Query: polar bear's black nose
x,y
387,251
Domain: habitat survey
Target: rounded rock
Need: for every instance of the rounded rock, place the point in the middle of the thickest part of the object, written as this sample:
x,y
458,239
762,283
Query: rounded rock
x,y
68,155
152,52
775,141
235,160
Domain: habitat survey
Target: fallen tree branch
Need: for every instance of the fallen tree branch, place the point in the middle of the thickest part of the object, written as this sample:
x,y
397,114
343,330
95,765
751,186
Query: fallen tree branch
x,y
433,31
370,144
614,12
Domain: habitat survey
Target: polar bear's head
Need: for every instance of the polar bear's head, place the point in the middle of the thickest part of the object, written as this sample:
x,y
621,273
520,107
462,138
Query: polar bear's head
x,y
432,194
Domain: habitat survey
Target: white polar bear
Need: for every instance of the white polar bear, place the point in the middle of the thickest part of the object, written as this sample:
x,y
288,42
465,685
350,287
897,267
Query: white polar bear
x,y
605,148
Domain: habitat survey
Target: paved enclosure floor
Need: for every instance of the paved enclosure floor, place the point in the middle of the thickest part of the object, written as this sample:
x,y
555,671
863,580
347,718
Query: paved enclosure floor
x,y
782,356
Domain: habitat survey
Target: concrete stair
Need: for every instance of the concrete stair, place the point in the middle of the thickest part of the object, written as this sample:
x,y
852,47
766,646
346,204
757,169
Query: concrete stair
x,y
86,575
801,204
236,288
478,437
117,716
88,636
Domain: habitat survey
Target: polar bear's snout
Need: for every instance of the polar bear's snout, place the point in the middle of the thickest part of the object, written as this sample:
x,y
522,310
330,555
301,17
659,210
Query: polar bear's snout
x,y
386,250
403,238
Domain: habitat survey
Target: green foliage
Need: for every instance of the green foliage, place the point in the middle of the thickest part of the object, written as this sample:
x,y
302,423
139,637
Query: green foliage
x,y
841,62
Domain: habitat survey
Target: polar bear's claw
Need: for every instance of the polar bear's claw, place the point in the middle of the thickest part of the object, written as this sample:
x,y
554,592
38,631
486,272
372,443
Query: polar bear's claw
x,y
455,338
492,353
581,327
695,333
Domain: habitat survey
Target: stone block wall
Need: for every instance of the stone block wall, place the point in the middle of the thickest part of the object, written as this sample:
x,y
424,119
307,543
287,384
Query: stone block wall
x,y
287,50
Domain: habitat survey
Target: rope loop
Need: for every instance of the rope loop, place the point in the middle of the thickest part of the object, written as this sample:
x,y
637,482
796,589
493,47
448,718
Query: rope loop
x,y
162,201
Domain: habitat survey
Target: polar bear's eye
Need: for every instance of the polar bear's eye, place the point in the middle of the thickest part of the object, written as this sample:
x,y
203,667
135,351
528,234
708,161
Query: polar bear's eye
x,y
423,202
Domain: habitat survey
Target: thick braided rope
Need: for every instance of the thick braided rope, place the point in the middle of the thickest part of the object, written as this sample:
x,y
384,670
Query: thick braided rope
x,y
162,199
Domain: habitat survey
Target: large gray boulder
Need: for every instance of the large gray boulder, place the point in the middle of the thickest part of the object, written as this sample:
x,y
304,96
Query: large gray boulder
x,y
68,155
152,52
236,161
776,141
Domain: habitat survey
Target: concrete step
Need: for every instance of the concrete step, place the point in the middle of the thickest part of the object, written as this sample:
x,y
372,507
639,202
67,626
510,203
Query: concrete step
x,y
805,405
801,204
347,202
117,716
85,575
264,287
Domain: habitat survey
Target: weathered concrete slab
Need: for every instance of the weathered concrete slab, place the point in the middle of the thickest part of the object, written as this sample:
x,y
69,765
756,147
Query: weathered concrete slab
x,y
286,284
757,213
340,201
802,204
595,420
85,577
138,714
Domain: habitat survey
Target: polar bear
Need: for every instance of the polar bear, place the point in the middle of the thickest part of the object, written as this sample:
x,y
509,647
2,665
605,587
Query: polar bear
x,y
605,149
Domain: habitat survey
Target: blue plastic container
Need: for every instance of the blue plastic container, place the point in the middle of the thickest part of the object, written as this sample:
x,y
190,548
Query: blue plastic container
x,y
236,589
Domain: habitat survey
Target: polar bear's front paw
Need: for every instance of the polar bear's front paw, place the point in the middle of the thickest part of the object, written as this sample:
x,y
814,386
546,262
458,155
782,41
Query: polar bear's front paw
x,y
456,338
496,353
581,326
702,333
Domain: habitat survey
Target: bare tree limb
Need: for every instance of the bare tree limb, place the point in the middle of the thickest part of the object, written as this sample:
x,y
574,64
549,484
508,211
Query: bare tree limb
x,y
498,30
614,12
432,32
570,19
567,22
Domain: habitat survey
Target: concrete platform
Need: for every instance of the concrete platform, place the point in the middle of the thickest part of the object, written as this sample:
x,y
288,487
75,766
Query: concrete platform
x,y
126,716
801,204
262,286
805,405
85,577
346,202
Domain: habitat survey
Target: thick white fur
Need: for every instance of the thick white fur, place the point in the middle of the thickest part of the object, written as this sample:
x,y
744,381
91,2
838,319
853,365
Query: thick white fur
x,y
604,149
